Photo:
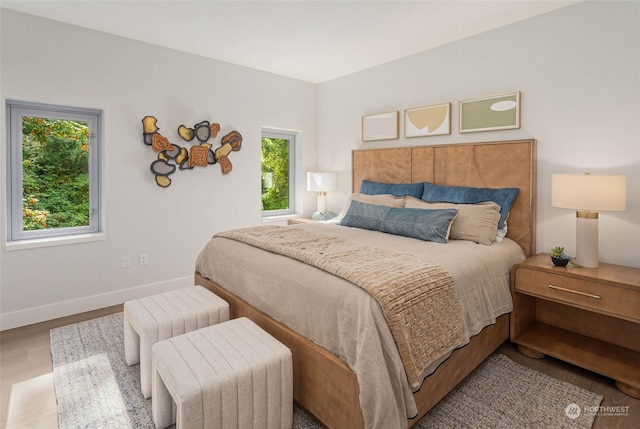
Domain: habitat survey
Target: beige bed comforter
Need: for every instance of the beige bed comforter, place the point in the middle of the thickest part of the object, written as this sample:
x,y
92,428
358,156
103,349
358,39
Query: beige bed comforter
x,y
346,320
418,297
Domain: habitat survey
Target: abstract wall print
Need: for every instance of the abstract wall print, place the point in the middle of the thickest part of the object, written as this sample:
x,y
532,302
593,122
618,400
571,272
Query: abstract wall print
x,y
172,157
428,121
381,126
495,112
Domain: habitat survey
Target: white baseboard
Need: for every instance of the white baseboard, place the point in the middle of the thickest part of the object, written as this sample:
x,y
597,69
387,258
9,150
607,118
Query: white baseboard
x,y
32,315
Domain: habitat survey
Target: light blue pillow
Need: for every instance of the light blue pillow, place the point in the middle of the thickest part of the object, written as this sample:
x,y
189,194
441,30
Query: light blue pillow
x,y
427,225
395,189
504,197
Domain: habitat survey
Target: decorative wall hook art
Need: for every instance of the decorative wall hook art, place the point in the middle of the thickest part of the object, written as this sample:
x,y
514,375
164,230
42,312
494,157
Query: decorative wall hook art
x,y
172,157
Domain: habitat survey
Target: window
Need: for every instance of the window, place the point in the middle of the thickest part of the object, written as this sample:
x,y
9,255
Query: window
x,y
278,172
53,170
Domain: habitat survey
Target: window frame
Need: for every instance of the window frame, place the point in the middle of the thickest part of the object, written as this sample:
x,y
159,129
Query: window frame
x,y
291,137
15,110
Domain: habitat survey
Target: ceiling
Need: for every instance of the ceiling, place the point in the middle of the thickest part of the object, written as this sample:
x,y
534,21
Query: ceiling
x,y
314,41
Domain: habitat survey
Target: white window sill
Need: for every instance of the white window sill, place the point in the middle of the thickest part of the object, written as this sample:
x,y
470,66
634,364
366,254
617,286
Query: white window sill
x,y
279,219
54,241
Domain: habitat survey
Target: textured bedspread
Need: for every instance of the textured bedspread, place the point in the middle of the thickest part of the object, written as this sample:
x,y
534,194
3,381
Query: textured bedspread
x,y
418,297
346,320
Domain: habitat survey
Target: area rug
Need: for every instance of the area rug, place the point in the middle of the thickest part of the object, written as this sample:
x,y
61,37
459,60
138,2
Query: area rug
x,y
96,389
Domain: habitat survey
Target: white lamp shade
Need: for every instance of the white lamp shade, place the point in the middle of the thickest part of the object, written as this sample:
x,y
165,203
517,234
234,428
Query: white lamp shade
x,y
322,182
589,192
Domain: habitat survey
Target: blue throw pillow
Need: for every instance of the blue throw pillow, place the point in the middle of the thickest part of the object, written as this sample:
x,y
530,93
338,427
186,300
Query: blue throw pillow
x,y
427,225
395,189
366,216
463,194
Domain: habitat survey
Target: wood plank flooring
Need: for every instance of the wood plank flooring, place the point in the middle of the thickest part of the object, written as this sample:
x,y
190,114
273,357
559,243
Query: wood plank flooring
x,y
28,396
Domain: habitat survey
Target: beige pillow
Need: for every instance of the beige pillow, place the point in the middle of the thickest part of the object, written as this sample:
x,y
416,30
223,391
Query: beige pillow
x,y
387,200
475,222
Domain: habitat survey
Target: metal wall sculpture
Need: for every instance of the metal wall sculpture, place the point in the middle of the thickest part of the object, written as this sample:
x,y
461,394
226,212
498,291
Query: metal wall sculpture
x,y
172,157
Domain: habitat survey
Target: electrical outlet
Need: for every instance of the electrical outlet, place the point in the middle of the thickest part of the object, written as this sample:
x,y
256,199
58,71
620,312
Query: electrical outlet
x,y
126,262
144,259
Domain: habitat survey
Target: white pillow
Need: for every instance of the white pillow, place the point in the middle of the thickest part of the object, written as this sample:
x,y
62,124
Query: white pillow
x,y
475,222
378,200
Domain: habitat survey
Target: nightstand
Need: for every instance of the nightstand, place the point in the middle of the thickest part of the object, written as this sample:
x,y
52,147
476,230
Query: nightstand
x,y
589,317
298,220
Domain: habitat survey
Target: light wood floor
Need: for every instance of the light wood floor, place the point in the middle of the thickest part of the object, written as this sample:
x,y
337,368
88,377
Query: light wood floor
x,y
28,397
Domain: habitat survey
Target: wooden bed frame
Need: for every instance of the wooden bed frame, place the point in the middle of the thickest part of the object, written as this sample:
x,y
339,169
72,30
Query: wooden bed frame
x,y
324,384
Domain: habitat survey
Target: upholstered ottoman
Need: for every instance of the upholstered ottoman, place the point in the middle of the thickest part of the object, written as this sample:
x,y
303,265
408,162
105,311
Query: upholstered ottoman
x,y
231,375
158,317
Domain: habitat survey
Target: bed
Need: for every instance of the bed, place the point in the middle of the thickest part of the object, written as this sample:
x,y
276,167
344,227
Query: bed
x,y
324,382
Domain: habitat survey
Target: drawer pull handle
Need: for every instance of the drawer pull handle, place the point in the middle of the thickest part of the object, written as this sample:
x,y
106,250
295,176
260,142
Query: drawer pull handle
x,y
574,291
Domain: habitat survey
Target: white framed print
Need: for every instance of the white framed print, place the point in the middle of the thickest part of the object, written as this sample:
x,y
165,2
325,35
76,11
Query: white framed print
x,y
381,126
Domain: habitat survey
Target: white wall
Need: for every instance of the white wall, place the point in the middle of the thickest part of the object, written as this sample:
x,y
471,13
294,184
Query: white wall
x,y
578,69
49,62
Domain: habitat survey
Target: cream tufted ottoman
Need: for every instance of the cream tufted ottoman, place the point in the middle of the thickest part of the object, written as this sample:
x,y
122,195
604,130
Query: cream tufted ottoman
x,y
231,375
158,317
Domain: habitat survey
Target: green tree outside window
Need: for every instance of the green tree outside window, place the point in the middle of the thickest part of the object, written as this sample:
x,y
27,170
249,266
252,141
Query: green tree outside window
x,y
275,174
55,173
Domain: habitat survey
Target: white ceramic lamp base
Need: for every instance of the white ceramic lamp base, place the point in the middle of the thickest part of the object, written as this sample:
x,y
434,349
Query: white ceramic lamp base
x,y
322,202
587,240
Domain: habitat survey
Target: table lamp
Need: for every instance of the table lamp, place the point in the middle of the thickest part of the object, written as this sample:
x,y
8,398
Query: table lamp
x,y
322,183
588,194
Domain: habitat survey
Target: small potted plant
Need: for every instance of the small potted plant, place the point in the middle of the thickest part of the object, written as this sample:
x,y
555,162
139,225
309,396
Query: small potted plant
x,y
558,257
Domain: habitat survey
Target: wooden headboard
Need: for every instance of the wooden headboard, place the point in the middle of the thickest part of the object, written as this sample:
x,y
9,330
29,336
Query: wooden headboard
x,y
501,164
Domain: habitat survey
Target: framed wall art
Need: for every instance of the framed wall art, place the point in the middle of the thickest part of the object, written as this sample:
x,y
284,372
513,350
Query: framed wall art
x,y
381,126
494,112
428,121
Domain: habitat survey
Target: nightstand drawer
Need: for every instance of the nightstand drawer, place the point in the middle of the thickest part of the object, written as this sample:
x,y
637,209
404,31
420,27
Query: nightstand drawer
x,y
604,298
